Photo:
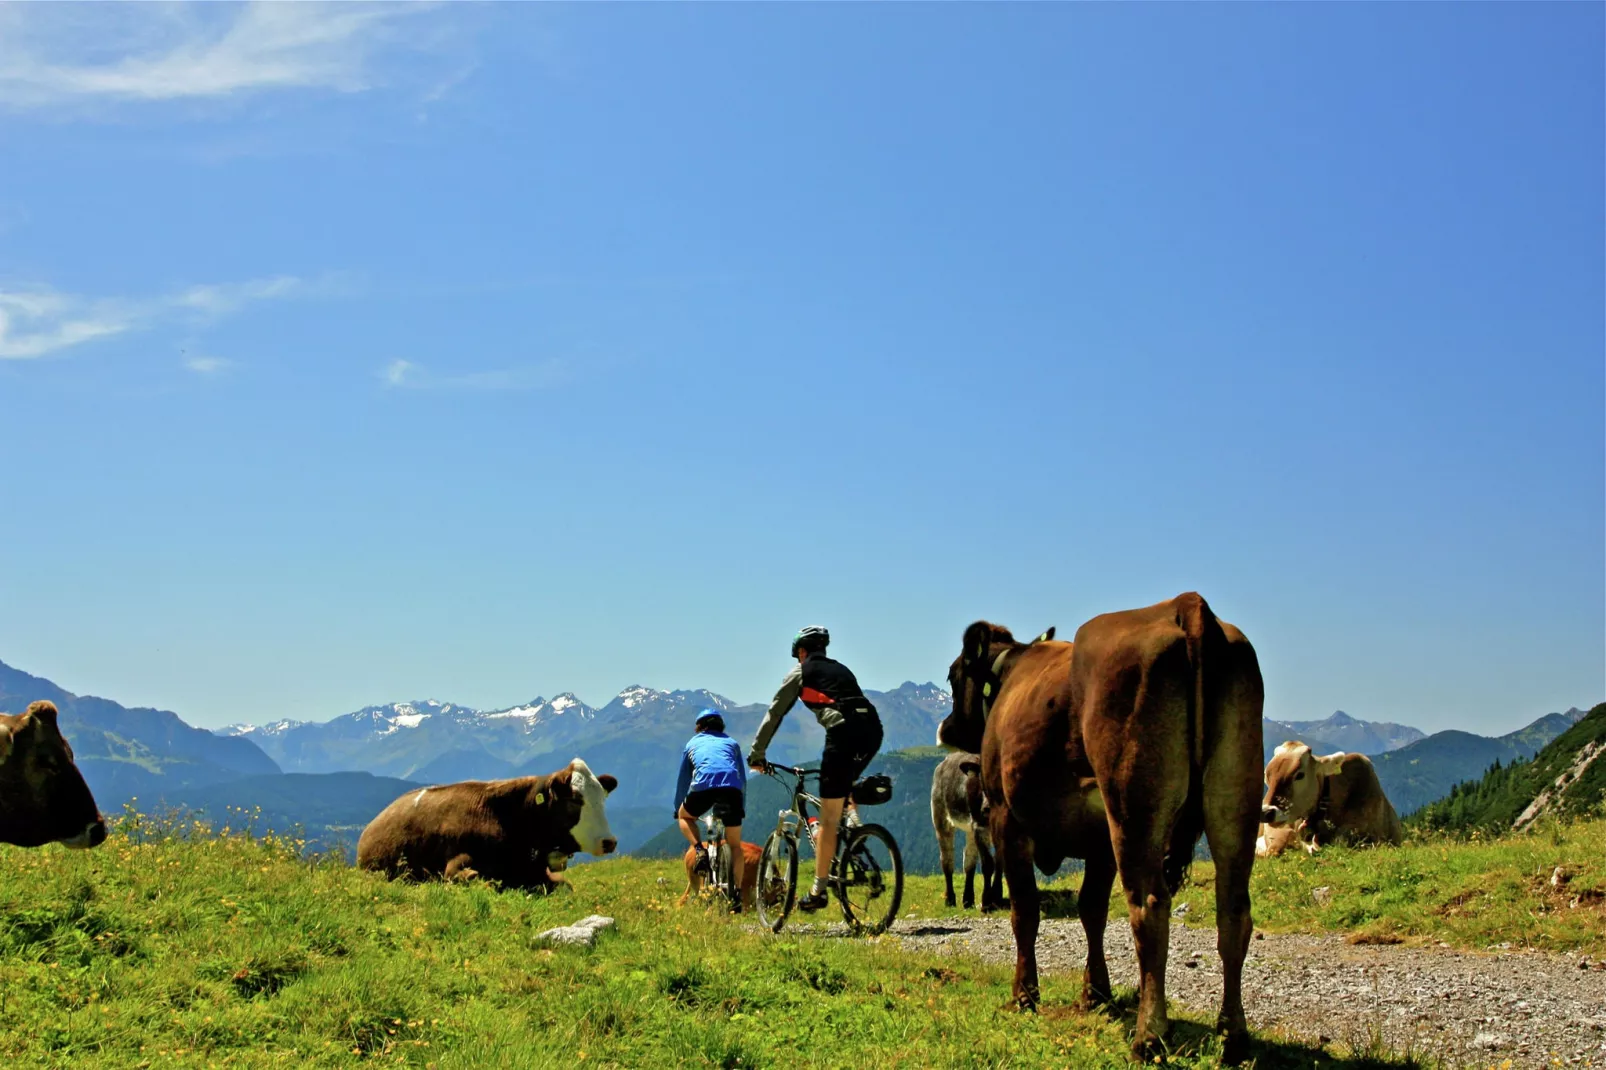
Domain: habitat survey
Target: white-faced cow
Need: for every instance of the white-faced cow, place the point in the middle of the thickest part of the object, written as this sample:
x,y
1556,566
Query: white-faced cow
x,y
957,802
1326,799
43,797
519,833
1121,749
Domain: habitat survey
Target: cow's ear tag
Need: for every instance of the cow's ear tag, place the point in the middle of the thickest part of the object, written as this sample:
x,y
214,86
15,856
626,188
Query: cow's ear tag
x,y
539,798
987,688
1045,637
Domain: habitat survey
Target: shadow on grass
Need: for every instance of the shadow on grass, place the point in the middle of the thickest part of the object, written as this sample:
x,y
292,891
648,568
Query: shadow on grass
x,y
1058,902
1188,1038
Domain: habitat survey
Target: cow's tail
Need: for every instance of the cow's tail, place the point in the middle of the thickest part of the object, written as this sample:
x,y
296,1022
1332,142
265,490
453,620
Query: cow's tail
x,y
1198,626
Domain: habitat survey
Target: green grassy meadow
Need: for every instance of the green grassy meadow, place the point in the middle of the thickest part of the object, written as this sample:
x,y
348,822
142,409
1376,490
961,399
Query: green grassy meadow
x,y
172,945
1473,892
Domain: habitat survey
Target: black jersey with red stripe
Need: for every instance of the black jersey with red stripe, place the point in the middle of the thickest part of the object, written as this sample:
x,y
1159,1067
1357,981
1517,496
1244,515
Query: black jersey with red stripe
x,y
828,683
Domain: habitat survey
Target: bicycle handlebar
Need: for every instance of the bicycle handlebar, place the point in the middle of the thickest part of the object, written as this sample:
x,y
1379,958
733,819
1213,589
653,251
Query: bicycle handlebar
x,y
770,769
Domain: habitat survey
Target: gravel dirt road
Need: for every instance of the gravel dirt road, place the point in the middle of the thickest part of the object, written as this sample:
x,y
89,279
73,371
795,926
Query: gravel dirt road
x,y
1465,1008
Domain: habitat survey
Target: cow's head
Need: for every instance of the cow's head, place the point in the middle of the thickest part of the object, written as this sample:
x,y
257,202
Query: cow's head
x,y
43,797
1294,782
975,678
974,795
583,797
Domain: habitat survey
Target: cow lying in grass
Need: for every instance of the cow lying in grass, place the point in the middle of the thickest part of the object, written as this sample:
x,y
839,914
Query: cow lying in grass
x,y
1335,798
520,833
695,879
43,797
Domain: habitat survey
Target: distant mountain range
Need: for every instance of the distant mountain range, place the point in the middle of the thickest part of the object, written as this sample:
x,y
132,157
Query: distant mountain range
x,y
331,777
1340,732
637,737
1421,772
126,753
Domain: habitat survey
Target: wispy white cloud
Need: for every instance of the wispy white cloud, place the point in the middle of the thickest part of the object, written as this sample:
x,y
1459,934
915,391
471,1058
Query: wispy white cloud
x,y
208,366
405,374
395,373
37,321
59,53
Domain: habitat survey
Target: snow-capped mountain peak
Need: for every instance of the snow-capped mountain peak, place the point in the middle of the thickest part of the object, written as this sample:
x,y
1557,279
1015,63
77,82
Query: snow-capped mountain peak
x,y
277,728
631,697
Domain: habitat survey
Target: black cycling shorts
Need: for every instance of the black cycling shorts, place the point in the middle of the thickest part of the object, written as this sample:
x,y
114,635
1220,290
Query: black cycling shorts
x,y
848,750
727,804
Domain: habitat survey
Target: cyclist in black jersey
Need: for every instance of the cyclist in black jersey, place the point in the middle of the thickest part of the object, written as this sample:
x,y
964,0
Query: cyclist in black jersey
x,y
852,737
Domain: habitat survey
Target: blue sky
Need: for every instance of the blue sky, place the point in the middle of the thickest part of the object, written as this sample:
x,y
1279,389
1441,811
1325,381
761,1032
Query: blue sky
x,y
359,354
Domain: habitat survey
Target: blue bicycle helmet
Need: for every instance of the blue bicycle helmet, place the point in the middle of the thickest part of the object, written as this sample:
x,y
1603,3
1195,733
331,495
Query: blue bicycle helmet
x,y
708,715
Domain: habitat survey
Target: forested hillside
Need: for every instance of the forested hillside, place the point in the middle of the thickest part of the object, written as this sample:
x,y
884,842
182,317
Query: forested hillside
x,y
1566,778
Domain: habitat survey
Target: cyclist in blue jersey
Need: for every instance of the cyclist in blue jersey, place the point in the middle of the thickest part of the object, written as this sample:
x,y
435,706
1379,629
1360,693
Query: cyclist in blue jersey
x,y
713,777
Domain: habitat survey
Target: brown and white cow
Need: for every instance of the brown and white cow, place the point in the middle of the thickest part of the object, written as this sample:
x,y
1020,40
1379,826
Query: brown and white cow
x,y
1120,749
1336,798
1275,840
519,833
43,797
958,802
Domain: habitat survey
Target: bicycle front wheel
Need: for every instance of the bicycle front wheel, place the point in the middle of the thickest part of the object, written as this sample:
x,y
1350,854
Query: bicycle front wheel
x,y
870,879
776,889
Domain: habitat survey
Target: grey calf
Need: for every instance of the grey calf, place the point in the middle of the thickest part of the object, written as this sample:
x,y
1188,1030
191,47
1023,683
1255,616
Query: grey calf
x,y
957,802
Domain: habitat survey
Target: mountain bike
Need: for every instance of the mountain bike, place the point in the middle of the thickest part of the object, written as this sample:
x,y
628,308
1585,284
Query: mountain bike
x,y
718,852
866,875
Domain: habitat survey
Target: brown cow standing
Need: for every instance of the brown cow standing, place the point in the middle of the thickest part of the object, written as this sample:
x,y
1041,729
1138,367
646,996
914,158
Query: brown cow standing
x,y
43,797
1336,797
1120,749
517,832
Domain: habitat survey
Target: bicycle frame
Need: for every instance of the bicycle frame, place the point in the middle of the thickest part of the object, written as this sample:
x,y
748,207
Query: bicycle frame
x,y
789,822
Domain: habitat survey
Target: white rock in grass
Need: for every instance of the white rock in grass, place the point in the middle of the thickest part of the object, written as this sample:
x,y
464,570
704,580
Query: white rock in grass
x,y
583,932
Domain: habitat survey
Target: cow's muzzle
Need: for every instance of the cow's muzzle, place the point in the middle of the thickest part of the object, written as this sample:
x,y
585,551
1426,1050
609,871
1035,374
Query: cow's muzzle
x,y
94,835
1271,815
609,845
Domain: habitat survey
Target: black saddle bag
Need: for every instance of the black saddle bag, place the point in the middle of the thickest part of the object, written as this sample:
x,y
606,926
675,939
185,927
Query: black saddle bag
x,y
872,790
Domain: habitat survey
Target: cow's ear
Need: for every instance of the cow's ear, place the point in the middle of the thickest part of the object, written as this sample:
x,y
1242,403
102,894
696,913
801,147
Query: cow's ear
x,y
5,743
43,711
1330,764
970,768
608,782
978,638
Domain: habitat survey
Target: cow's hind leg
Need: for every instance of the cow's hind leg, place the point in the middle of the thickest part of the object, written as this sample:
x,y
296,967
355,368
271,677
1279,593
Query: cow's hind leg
x,y
1093,907
1014,852
1140,853
945,848
1231,804
992,873
970,868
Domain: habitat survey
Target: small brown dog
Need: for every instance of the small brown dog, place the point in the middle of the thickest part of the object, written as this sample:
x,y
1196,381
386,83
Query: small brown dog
x,y
751,852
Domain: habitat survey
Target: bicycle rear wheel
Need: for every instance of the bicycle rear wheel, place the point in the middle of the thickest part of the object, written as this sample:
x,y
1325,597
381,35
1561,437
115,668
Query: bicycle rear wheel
x,y
869,880
720,878
776,889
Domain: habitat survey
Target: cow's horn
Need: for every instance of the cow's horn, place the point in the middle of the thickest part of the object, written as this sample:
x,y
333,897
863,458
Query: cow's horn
x,y
998,662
